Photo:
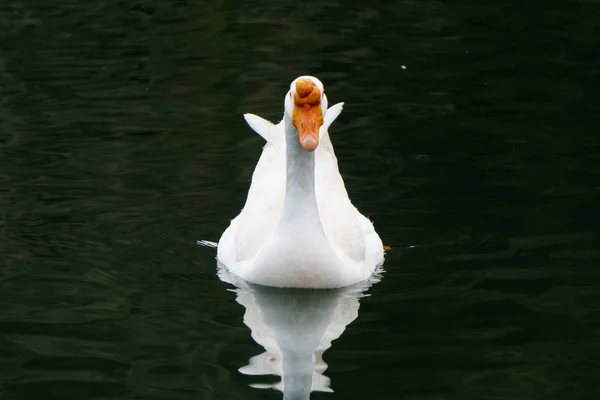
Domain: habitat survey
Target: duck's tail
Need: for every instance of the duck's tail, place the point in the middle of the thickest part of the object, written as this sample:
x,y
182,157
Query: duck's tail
x,y
207,243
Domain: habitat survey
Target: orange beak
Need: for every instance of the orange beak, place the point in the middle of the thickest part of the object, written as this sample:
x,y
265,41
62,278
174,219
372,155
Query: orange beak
x,y
307,116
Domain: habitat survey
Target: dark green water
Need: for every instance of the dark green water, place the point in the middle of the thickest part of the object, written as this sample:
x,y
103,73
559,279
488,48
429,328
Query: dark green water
x,y
122,143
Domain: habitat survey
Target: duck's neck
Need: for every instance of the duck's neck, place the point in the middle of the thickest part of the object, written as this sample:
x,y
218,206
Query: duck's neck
x,y
300,199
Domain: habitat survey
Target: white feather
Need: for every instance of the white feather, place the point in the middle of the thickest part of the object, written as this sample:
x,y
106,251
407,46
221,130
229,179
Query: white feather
x,y
260,126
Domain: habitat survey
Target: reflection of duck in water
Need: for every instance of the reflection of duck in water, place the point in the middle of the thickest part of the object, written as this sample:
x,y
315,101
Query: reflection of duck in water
x,y
295,327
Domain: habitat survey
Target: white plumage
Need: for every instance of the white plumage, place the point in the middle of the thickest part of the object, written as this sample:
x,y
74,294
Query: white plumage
x,y
298,227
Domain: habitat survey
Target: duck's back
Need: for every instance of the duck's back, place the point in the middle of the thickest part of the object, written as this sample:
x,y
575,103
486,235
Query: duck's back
x,y
244,237
339,217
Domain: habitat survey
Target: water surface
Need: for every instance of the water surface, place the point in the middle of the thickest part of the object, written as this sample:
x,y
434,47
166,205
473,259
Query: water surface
x,y
122,143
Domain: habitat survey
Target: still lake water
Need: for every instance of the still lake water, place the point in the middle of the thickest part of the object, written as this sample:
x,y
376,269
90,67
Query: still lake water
x,y
122,143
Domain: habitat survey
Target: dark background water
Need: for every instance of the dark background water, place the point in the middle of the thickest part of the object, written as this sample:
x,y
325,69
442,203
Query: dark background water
x,y
122,143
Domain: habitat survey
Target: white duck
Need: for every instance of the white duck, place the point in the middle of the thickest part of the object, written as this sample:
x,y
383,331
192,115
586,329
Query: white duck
x,y
298,227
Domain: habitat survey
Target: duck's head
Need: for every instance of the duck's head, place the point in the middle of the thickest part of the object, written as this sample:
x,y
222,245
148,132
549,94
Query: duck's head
x,y
305,107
